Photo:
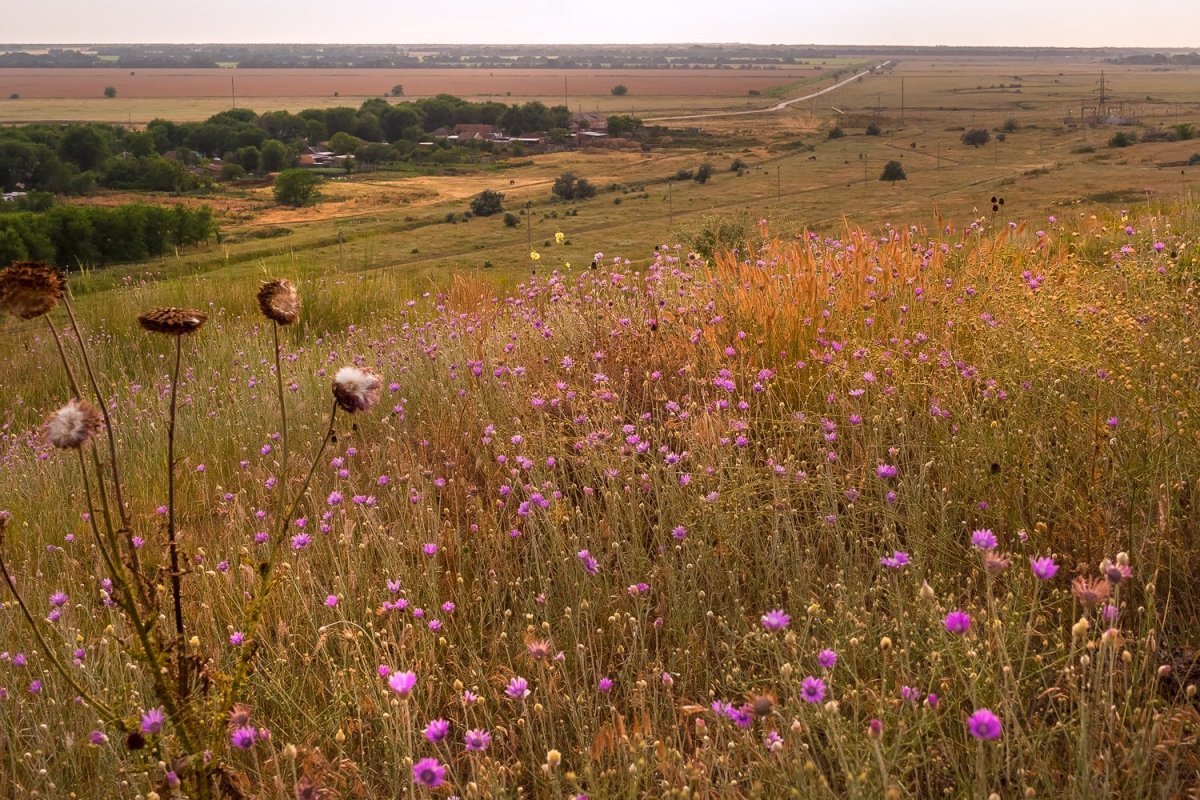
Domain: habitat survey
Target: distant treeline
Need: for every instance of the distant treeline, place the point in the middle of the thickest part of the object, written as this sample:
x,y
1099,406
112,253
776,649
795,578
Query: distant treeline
x,y
68,235
318,56
76,159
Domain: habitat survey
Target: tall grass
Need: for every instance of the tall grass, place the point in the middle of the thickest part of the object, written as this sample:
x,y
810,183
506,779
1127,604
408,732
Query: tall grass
x,y
723,440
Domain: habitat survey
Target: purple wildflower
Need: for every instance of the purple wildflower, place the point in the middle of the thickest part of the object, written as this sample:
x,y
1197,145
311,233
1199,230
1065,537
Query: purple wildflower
x,y
984,725
428,772
957,621
983,539
1043,568
477,740
152,720
437,730
775,620
812,689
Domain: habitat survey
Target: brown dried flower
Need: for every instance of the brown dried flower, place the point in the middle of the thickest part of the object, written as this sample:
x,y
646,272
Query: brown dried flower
x,y
1090,593
279,301
173,321
72,425
29,289
355,389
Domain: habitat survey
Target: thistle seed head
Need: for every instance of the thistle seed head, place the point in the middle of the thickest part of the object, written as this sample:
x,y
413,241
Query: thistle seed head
x,y
29,289
280,301
173,321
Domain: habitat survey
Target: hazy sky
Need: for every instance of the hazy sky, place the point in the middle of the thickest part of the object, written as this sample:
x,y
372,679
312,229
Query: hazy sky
x,y
1142,23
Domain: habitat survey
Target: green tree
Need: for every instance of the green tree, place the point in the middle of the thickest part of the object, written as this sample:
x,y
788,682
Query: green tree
x,y
623,125
836,132
297,187
398,90
487,202
893,171
703,173
976,137
110,91
620,90
343,143
274,156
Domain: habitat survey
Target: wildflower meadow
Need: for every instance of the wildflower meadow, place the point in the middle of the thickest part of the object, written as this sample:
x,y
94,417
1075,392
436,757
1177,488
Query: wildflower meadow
x,y
899,513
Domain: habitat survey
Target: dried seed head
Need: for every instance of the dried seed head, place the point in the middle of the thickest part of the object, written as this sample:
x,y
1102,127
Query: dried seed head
x,y
72,425
279,301
239,716
173,321
762,705
355,389
29,289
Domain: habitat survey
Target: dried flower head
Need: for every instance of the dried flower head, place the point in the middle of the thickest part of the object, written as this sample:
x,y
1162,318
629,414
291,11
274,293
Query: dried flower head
x,y
29,289
239,716
355,389
173,321
538,649
73,424
1090,593
279,301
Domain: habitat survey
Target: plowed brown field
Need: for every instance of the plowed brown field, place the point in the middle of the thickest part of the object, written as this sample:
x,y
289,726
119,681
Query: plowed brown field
x,y
89,83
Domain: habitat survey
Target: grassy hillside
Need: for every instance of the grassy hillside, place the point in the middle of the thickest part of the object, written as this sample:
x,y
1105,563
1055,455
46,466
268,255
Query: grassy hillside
x,y
787,523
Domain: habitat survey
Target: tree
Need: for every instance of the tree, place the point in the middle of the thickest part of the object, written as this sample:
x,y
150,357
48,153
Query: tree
x,y
893,171
623,125
836,132
398,90
703,173
620,90
872,130
486,203
511,220
274,156
568,187
977,137
343,143
297,187
110,91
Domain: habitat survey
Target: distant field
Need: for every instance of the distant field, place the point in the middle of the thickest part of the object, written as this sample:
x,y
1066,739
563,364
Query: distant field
x,y
70,83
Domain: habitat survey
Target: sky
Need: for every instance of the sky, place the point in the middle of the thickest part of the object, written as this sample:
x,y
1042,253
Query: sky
x,y
1062,23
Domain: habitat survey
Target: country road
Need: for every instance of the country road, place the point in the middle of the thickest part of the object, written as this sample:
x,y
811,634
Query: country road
x,y
777,106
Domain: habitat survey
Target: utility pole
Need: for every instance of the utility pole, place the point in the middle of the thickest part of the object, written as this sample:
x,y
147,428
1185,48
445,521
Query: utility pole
x,y
232,92
902,99
529,225
670,205
566,102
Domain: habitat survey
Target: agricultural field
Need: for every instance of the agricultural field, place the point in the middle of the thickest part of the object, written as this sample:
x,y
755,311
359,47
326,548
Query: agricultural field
x,y
790,483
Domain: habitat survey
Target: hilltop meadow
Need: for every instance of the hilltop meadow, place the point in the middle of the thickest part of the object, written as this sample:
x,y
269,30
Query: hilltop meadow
x,y
788,483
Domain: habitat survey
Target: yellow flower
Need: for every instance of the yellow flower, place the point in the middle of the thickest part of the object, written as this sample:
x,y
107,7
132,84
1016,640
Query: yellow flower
x,y
535,255
567,264
560,237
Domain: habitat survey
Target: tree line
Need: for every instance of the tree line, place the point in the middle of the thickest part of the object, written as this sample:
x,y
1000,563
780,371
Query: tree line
x,y
76,159
71,235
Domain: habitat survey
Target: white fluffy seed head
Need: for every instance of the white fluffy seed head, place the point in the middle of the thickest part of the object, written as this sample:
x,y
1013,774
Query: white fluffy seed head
x,y
73,424
355,389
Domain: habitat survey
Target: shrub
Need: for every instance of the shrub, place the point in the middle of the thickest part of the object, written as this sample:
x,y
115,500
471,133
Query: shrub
x,y
1122,139
487,203
569,187
872,130
703,173
511,220
836,132
297,187
620,90
976,137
